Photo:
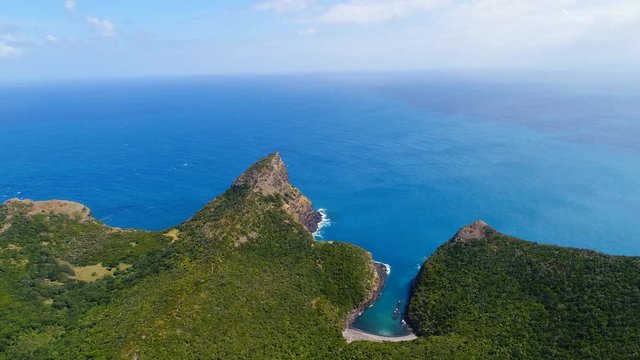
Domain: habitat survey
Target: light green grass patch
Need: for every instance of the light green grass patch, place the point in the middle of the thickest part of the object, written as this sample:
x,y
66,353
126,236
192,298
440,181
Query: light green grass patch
x,y
91,273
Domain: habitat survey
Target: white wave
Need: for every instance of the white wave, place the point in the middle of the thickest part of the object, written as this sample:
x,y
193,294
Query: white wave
x,y
324,222
386,266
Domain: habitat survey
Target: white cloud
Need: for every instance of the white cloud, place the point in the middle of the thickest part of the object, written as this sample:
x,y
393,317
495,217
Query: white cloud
x,y
513,25
70,5
369,11
282,6
51,39
104,26
308,32
7,51
431,34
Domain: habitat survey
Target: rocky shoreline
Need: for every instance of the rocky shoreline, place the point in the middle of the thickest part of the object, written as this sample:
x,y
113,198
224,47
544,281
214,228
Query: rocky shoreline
x,y
381,273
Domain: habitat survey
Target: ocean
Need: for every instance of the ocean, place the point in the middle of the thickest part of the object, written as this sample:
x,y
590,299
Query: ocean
x,y
399,161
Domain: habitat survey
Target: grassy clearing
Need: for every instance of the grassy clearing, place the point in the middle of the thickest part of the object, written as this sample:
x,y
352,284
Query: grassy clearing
x,y
173,234
91,273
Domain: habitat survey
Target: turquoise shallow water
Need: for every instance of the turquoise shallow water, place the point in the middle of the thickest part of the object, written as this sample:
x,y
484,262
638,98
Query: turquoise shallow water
x,y
399,162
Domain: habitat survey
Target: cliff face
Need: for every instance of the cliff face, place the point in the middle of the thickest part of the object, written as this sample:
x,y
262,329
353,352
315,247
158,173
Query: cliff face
x,y
301,208
269,177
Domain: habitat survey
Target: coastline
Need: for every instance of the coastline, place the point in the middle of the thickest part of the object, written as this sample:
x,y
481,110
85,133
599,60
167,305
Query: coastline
x,y
381,272
350,333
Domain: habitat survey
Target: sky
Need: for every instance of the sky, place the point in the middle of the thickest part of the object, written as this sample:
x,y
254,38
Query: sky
x,y
70,39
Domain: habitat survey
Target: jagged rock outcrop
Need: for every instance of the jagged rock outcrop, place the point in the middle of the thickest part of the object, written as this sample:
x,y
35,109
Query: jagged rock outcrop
x,y
301,208
269,177
479,230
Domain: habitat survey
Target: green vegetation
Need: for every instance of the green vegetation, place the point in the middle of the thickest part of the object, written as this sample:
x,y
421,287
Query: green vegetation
x,y
243,280
277,295
40,301
531,301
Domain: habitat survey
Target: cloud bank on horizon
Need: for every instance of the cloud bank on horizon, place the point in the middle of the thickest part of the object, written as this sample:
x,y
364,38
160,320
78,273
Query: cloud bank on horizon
x,y
91,38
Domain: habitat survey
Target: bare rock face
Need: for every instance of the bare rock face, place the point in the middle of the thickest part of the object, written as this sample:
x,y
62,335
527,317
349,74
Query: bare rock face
x,y
301,208
269,177
479,230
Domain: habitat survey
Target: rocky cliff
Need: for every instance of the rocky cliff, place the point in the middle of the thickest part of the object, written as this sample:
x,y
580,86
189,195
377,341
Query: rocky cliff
x,y
269,177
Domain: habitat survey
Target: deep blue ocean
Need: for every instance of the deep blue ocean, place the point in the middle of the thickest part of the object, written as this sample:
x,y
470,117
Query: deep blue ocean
x,y
399,161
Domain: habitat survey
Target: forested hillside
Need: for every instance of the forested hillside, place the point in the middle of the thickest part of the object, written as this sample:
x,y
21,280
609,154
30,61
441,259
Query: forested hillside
x,y
528,300
241,279
244,279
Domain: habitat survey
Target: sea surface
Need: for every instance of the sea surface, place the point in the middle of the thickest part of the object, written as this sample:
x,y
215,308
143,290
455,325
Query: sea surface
x,y
399,161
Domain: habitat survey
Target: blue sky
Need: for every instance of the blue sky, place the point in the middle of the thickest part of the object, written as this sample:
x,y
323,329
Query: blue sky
x,y
50,39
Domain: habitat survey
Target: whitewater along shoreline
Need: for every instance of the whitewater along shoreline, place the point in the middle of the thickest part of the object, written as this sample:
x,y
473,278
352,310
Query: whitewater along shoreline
x,y
352,334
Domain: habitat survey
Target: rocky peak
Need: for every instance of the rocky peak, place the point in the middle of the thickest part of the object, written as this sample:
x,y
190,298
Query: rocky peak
x,y
269,176
479,230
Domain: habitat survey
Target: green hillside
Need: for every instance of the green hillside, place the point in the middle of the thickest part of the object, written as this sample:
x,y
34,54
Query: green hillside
x,y
528,300
244,279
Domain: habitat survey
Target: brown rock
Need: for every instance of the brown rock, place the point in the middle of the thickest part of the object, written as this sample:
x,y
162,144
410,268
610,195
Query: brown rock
x,y
479,230
267,177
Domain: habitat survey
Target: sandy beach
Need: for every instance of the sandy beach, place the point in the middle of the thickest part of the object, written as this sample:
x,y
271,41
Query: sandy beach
x,y
351,335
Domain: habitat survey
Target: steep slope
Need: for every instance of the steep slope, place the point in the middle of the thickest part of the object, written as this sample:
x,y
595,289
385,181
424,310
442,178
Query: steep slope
x,y
529,300
234,218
